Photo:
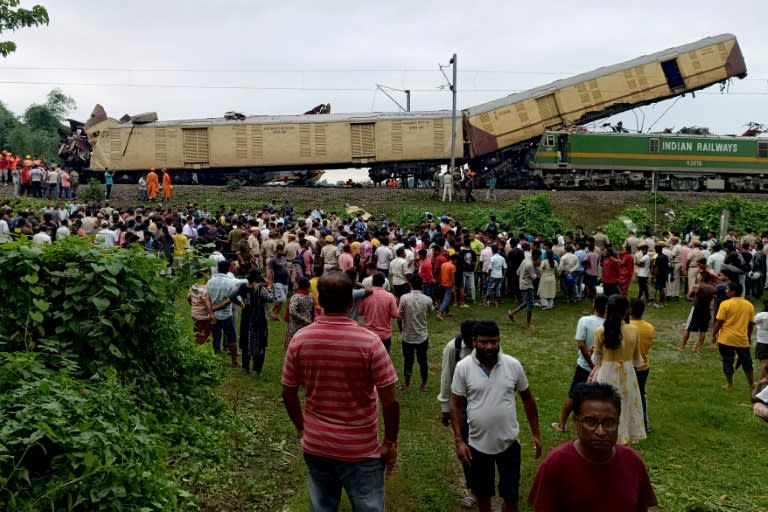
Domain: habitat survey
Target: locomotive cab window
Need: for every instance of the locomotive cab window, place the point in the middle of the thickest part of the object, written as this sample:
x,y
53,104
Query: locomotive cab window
x,y
549,140
653,145
762,149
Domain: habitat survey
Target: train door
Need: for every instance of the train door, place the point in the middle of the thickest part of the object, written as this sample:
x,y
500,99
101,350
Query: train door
x,y
673,75
562,150
196,147
363,139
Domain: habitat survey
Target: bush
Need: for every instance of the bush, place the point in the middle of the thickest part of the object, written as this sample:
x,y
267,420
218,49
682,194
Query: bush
x,y
233,185
98,383
706,216
533,213
93,191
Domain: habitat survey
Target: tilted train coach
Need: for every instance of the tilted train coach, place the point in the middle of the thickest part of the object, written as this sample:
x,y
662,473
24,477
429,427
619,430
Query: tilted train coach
x,y
497,135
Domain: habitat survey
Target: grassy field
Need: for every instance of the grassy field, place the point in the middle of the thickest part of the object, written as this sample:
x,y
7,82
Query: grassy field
x,y
706,451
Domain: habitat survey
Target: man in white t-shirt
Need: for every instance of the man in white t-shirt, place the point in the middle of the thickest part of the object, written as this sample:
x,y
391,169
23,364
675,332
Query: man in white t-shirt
x,y
383,256
643,266
105,236
585,338
488,381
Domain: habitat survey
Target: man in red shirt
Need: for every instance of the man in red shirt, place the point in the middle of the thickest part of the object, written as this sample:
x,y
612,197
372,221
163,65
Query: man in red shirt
x,y
610,272
425,273
379,308
593,472
345,371
447,281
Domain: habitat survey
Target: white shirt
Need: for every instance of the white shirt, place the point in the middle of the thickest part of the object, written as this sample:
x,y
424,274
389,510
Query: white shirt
x,y
761,322
41,238
5,232
645,270
105,237
491,406
62,232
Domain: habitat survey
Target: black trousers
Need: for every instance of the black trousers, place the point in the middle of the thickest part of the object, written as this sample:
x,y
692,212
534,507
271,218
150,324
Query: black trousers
x,y
420,350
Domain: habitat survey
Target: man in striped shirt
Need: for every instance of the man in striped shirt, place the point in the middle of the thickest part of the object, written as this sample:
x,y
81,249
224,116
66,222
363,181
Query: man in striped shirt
x,y
344,368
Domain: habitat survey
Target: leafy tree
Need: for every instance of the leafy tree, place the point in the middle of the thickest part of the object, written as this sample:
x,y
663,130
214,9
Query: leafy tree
x,y
8,122
59,104
13,17
41,144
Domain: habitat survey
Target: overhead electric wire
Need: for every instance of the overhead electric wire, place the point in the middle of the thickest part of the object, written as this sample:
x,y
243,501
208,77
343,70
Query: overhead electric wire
x,y
437,89
279,70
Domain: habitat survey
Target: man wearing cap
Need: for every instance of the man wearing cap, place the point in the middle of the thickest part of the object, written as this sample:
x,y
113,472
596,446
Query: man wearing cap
x,y
329,254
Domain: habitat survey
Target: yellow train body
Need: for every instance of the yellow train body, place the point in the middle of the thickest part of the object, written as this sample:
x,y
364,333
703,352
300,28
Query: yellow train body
x,y
306,141
606,91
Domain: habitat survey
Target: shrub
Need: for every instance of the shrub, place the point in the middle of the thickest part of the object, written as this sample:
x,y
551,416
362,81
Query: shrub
x,y
233,185
98,383
93,191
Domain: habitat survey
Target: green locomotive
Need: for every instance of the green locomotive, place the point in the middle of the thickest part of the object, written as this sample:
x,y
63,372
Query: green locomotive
x,y
588,160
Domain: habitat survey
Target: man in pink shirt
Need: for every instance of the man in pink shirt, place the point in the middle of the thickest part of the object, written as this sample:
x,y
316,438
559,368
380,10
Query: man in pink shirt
x,y
346,261
379,308
345,372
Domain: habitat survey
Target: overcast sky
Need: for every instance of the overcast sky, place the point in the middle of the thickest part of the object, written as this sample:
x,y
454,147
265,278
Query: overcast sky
x,y
195,58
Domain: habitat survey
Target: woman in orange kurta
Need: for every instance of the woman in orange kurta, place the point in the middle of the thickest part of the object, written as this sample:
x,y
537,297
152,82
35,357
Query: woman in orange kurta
x,y
167,187
152,185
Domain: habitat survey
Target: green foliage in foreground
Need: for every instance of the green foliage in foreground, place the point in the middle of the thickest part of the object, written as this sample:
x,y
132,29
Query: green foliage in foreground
x,y
99,388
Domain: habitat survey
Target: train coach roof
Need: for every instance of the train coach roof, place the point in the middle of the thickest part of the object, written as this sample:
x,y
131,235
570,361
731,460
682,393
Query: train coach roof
x,y
607,70
368,117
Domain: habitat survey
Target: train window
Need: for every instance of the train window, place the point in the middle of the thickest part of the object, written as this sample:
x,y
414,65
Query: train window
x,y
549,140
762,150
653,145
672,74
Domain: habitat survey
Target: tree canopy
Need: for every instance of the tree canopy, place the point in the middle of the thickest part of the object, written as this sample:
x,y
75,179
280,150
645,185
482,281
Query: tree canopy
x,y
36,131
13,17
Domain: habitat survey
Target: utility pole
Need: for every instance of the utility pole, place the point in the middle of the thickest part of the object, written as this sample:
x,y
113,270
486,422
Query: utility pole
x,y
453,116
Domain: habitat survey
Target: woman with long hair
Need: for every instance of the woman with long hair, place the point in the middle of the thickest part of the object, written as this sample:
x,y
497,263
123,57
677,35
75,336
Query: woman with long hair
x,y
616,355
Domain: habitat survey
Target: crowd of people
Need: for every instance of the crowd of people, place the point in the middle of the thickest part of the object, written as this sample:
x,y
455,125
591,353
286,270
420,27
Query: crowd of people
x,y
339,267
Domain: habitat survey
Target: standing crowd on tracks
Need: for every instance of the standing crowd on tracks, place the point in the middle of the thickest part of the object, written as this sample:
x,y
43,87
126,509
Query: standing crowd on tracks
x,y
318,271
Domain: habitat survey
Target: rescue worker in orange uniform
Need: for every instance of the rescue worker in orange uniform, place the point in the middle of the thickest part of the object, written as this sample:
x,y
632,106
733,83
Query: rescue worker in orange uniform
x,y
167,186
152,184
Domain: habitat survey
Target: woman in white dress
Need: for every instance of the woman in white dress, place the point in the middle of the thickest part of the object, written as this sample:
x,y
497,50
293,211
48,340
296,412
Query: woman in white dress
x,y
548,280
616,355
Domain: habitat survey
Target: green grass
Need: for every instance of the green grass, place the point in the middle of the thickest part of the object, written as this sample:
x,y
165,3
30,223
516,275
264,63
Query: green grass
x,y
706,451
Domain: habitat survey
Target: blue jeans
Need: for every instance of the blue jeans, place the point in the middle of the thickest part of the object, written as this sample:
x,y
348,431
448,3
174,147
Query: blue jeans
x,y
447,297
363,481
469,285
226,327
578,279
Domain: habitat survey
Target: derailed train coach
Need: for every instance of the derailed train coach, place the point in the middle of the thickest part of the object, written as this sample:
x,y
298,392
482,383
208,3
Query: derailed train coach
x,y
501,133
496,137
213,150
582,160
